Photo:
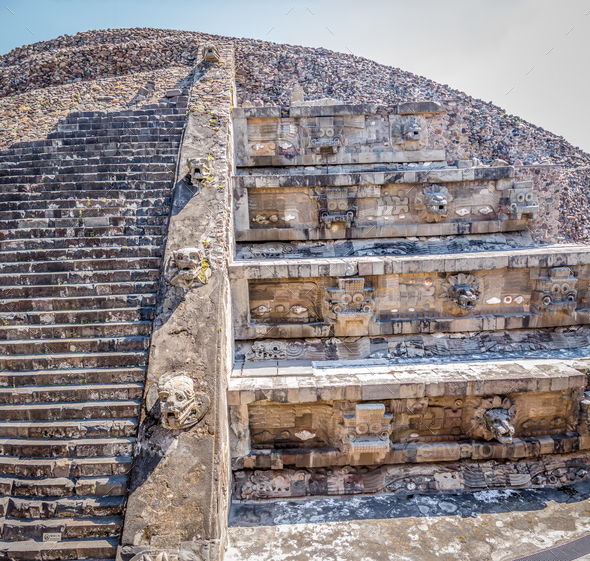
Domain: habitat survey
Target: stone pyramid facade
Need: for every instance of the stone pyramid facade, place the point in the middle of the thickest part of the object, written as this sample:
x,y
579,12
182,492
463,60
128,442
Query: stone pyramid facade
x,y
247,290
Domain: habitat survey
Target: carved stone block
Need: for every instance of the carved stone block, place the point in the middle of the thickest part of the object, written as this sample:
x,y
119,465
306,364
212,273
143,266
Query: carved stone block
x,y
521,201
367,431
555,292
211,54
351,305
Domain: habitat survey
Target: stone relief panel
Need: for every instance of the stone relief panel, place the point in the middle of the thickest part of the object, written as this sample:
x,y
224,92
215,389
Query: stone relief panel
x,y
384,247
188,268
339,133
431,209
547,471
298,425
285,208
276,350
384,427
269,137
396,304
284,302
181,405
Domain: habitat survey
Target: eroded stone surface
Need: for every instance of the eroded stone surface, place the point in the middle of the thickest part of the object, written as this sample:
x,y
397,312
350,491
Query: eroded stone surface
x,y
500,525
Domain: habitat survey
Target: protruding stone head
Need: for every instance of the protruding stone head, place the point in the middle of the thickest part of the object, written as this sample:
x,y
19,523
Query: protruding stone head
x,y
180,405
411,130
498,422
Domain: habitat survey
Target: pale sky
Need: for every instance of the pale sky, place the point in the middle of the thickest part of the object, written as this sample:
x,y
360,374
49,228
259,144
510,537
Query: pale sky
x,y
530,57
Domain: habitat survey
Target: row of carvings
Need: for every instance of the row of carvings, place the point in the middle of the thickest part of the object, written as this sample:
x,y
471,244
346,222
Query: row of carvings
x,y
548,471
459,294
432,203
361,248
373,427
332,134
369,426
412,346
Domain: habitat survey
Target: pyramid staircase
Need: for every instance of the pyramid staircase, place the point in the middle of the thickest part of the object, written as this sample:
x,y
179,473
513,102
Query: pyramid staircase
x,y
83,218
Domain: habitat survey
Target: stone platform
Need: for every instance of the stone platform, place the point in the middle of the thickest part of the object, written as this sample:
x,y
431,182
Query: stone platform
x,y
491,525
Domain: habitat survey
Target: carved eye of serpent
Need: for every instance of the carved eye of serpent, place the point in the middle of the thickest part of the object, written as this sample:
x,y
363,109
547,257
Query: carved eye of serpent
x,y
179,397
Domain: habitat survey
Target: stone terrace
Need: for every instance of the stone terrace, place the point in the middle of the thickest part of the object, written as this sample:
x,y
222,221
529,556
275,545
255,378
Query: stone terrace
x,y
84,216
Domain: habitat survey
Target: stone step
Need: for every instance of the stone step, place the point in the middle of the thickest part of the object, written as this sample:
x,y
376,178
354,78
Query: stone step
x,y
93,241
30,508
111,428
77,448
50,160
114,137
169,109
70,192
67,168
72,376
72,253
71,151
84,232
102,127
82,211
60,394
73,360
97,143
77,303
75,332
81,317
26,347
82,265
83,221
96,527
89,180
65,467
74,410
81,202
162,132
79,290
49,551
82,188
64,486
80,277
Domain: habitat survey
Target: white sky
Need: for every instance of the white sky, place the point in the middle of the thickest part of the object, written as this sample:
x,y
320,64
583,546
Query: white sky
x,y
530,57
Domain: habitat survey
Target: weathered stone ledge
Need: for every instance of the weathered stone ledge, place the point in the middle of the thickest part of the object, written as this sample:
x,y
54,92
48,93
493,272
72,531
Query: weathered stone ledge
x,y
418,452
306,382
566,255
449,174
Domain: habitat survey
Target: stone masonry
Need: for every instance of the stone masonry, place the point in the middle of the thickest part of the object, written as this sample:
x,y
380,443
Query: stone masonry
x,y
236,271
84,220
